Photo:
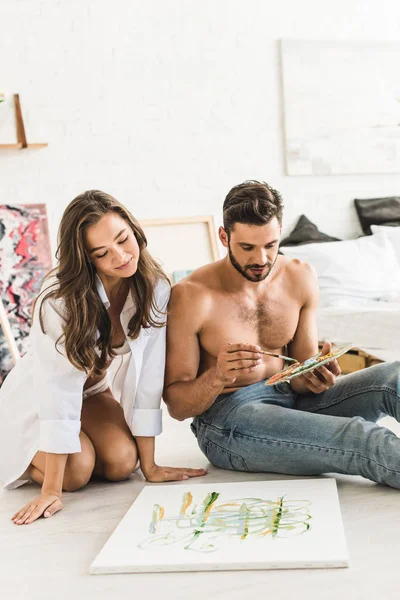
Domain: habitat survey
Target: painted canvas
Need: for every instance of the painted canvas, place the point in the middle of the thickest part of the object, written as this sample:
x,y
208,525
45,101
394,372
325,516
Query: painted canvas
x,y
228,526
341,106
25,258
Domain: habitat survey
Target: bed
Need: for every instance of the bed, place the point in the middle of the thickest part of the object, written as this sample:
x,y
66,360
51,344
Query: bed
x,y
374,329
359,282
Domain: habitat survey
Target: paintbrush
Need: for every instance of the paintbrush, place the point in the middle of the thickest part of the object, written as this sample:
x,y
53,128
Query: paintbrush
x,y
288,358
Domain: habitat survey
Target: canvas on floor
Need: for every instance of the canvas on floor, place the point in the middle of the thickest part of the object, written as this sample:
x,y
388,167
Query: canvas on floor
x,y
228,526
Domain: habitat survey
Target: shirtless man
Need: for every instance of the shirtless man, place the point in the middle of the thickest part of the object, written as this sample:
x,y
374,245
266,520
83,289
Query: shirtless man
x,y
223,314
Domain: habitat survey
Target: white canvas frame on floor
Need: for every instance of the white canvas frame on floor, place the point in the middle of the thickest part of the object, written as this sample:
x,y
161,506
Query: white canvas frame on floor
x,y
228,526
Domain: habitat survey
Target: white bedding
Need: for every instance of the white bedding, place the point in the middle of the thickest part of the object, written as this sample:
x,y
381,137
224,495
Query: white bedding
x,y
372,327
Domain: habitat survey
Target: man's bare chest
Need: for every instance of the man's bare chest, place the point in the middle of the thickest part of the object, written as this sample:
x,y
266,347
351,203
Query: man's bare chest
x,y
270,322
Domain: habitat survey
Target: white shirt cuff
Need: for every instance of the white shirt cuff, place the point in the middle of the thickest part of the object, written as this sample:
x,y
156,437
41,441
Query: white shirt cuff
x,y
146,421
60,437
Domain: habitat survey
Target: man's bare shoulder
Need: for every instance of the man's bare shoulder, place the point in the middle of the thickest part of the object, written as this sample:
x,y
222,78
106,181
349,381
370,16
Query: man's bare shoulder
x,y
300,274
206,276
195,290
203,280
297,268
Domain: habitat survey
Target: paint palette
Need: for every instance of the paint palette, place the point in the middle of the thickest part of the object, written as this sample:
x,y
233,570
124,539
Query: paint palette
x,y
300,368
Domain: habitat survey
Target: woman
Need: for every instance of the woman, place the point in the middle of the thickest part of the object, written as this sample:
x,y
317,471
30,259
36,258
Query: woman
x,y
85,400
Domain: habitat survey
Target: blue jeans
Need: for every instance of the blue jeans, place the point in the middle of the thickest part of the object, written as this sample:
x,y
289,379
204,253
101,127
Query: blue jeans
x,y
273,429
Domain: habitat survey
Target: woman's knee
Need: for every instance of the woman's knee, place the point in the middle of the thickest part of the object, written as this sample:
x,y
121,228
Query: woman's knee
x,y
75,480
79,467
120,462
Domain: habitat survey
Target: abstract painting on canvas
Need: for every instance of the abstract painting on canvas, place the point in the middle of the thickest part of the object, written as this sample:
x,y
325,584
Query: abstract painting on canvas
x,y
251,525
25,258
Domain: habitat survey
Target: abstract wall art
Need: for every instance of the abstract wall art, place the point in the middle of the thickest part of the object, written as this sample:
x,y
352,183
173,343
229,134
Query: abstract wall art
x,y
25,258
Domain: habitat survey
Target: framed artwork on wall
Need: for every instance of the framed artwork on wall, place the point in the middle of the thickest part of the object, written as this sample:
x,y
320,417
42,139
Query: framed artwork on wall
x,y
341,107
25,258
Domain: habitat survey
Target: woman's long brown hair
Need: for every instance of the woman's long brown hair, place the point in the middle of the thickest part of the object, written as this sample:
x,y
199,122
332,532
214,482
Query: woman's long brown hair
x,y
85,313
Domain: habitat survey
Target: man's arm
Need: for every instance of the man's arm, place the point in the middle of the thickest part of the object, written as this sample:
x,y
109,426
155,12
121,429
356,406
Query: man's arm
x,y
185,394
305,341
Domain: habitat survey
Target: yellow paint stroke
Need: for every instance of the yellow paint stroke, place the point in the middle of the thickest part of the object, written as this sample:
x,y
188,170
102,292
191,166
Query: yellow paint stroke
x,y
187,501
158,515
267,532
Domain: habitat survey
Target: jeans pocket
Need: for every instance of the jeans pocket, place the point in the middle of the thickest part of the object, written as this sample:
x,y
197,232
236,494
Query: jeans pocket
x,y
223,458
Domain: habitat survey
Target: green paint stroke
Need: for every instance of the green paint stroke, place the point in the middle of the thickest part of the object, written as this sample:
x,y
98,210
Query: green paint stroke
x,y
277,517
244,515
197,526
207,506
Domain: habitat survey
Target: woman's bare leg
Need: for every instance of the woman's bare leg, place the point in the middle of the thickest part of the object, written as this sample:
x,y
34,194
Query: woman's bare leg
x,y
108,447
78,470
104,423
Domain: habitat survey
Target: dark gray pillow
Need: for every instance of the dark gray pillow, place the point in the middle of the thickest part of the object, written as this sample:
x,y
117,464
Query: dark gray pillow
x,y
378,211
306,232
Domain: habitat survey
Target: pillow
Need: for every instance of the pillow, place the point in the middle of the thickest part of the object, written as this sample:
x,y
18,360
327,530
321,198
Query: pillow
x,y
306,232
392,234
378,211
353,271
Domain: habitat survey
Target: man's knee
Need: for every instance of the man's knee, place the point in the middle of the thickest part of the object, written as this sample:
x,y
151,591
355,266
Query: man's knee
x,y
394,365
120,462
387,373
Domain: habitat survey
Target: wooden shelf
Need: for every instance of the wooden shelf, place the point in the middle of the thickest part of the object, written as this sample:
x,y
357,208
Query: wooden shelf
x,y
21,143
20,146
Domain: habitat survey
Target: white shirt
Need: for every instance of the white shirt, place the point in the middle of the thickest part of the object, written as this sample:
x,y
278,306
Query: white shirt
x,y
41,398
118,369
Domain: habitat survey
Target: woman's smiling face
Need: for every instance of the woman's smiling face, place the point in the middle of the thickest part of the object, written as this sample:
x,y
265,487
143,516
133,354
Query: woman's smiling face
x,y
112,246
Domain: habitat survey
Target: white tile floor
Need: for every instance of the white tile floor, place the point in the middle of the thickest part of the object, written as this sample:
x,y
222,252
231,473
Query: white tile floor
x,y
50,558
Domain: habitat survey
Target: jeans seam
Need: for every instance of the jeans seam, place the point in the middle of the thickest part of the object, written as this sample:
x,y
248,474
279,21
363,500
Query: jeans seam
x,y
353,452
352,395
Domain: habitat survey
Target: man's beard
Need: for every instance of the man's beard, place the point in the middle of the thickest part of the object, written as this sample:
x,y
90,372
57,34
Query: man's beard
x,y
245,271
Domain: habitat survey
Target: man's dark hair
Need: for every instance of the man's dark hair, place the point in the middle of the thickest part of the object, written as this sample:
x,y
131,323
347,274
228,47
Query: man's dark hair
x,y
251,203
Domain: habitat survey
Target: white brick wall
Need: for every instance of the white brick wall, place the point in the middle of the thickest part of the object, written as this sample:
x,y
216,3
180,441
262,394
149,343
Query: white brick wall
x,y
168,103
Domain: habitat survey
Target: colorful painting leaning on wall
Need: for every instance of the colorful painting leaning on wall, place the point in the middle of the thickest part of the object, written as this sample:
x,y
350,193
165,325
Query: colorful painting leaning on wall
x,y
25,257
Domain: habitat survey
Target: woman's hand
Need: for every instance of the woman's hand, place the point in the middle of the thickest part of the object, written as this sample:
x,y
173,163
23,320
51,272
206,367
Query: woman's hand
x,y
47,504
156,474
